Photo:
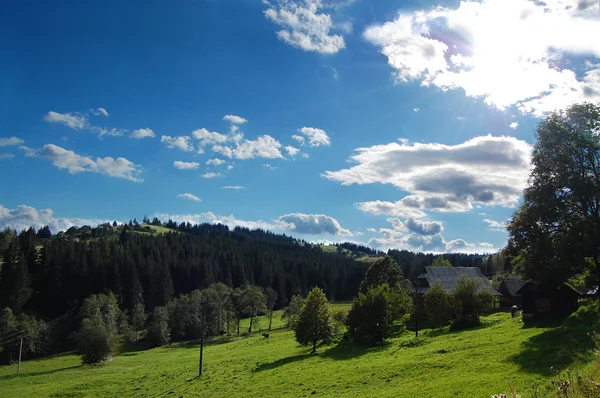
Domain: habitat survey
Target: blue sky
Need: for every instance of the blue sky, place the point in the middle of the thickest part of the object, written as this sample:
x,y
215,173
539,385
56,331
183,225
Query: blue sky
x,y
395,124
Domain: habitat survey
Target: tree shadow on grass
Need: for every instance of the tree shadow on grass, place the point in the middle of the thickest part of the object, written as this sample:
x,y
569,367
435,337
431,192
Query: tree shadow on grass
x,y
31,374
282,362
555,348
345,350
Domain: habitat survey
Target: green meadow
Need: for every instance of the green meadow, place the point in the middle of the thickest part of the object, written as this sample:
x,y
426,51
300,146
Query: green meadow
x,y
500,355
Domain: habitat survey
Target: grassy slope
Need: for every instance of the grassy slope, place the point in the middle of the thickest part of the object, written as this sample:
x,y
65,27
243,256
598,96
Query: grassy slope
x,y
476,363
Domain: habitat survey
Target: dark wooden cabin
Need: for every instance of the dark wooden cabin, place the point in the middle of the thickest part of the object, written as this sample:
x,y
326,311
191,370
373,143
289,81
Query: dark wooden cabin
x,y
542,300
509,288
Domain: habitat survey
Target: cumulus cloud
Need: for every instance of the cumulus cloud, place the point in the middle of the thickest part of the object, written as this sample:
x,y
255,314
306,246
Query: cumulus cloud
x,y
292,151
315,137
211,218
76,121
233,187
211,175
264,146
74,163
209,137
312,224
233,119
185,165
424,227
22,217
184,142
514,125
482,171
9,141
189,196
215,162
305,26
299,138
494,225
142,133
460,48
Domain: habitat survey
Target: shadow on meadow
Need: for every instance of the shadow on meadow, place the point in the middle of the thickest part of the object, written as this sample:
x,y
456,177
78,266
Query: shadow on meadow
x,y
566,342
30,374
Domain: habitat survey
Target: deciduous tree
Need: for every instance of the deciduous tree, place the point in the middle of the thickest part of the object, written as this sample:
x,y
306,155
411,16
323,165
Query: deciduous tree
x,y
314,321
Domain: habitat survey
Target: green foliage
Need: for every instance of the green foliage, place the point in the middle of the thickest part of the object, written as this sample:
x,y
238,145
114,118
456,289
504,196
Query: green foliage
x,y
292,311
437,305
441,261
469,300
373,314
97,334
138,319
15,281
218,297
158,331
558,225
383,271
314,321
271,295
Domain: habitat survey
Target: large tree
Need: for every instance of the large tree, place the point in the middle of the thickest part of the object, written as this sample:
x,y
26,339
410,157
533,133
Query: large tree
x,y
556,232
314,321
382,271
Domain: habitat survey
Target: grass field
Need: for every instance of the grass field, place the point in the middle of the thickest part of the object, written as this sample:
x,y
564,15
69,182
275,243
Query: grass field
x,y
474,363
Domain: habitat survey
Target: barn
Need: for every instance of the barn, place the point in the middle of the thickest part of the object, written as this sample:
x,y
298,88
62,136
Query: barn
x,y
547,300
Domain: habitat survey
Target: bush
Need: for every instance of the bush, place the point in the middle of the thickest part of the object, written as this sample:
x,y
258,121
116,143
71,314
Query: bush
x,y
373,314
463,323
469,299
437,305
290,313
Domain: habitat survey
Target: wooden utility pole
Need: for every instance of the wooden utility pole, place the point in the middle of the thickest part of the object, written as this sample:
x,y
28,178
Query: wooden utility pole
x,y
201,344
20,351
416,300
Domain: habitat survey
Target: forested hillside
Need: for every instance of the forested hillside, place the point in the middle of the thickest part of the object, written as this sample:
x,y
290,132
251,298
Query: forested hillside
x,y
49,274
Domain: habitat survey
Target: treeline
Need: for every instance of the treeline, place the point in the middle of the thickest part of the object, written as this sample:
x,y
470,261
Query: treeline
x,y
48,274
413,264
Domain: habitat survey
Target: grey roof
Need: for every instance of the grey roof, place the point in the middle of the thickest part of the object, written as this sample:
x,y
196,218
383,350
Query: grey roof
x,y
511,285
448,276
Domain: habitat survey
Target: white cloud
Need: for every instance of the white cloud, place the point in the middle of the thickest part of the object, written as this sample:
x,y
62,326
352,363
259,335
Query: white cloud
x,y
6,156
312,224
23,217
99,112
268,166
305,155
508,52
233,119
264,146
184,142
416,109
211,218
299,138
292,151
215,162
209,137
494,225
102,131
230,167
29,152
513,125
74,163
10,141
316,137
189,196
142,133
482,171
236,187
305,27
371,230
423,227
76,121
211,175
185,165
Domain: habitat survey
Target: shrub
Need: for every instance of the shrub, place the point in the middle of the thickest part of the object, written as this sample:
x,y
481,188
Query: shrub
x,y
463,323
469,300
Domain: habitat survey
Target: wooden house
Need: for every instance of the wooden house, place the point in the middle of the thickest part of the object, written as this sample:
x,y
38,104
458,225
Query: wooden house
x,y
544,300
509,288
